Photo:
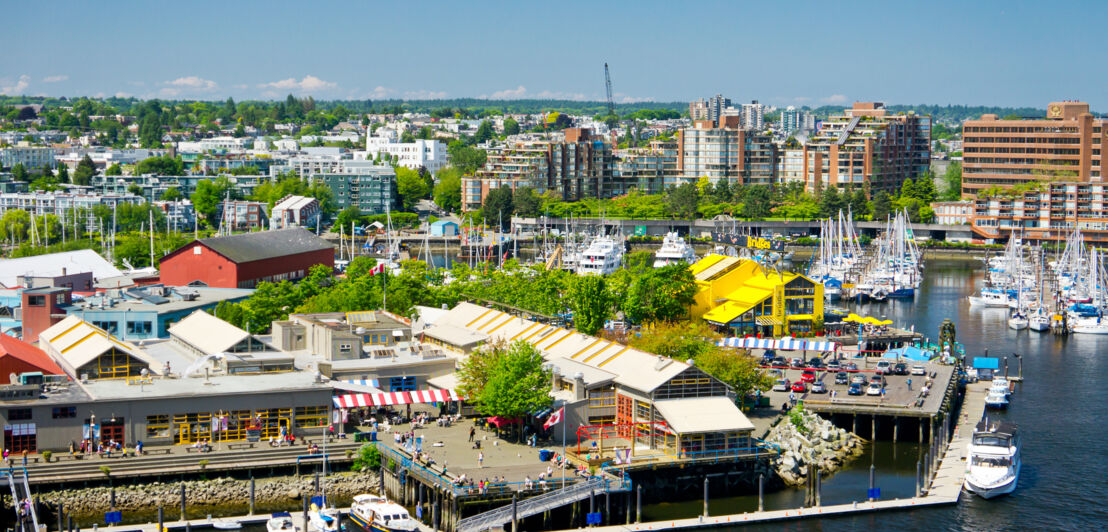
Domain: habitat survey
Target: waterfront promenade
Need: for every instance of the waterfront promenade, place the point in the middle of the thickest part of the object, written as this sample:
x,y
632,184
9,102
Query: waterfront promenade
x,y
944,487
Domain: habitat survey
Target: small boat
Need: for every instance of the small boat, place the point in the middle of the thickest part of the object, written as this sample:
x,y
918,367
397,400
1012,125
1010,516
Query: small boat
x,y
996,400
1039,320
378,514
1093,325
993,461
879,293
1001,385
281,522
990,298
225,524
1017,321
324,519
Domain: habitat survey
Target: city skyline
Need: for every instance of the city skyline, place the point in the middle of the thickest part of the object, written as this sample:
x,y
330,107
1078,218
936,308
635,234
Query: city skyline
x,y
814,54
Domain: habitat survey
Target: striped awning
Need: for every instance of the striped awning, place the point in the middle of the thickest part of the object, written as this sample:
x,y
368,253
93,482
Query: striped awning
x,y
362,400
365,382
784,344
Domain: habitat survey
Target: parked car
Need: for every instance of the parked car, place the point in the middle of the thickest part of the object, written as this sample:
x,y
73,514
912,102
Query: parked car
x,y
815,362
800,387
883,367
767,358
833,366
900,369
855,389
858,378
818,387
850,366
842,378
780,362
918,369
782,385
878,379
797,362
874,389
808,376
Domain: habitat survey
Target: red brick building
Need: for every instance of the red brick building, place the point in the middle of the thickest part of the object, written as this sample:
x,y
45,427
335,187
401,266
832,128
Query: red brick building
x,y
243,261
42,308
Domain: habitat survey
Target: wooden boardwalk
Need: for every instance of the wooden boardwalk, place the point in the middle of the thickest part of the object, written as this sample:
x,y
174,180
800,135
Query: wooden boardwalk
x,y
945,486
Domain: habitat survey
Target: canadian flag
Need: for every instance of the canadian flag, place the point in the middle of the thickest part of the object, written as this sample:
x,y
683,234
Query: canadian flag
x,y
554,418
379,268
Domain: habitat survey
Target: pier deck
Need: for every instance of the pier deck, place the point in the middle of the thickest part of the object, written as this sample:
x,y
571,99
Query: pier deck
x,y
945,486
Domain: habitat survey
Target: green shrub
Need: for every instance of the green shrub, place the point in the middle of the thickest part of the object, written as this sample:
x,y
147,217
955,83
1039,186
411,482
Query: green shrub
x,y
368,459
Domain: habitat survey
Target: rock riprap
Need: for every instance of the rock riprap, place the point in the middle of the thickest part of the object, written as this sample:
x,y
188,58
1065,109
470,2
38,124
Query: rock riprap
x,y
807,439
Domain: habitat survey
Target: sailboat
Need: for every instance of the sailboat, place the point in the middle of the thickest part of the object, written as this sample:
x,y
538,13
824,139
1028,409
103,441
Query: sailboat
x,y
1018,320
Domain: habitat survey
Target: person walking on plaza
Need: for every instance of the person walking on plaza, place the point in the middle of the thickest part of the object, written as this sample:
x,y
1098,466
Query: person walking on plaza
x,y
480,459
472,431
909,384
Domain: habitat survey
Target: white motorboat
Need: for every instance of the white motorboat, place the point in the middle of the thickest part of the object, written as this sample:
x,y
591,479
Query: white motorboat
x,y
324,519
1039,320
1094,325
990,298
377,514
281,522
1001,385
674,250
993,459
225,524
603,256
1017,321
996,399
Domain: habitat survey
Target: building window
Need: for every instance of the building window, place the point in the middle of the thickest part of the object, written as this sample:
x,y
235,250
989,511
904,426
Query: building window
x,y
402,384
19,414
157,426
311,416
62,412
36,301
138,327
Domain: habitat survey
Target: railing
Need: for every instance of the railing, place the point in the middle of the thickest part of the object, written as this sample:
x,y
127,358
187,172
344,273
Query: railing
x,y
534,505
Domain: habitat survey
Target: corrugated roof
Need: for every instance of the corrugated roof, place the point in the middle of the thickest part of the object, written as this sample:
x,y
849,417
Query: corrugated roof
x,y
208,333
250,247
83,260
727,312
703,414
78,342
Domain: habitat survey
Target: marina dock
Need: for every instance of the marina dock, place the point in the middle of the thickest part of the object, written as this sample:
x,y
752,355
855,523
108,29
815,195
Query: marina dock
x,y
944,485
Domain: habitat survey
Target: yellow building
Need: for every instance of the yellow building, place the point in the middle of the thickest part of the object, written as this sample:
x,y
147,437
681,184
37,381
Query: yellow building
x,y
740,297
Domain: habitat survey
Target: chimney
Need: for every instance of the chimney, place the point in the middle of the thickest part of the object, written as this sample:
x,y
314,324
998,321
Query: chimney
x,y
579,385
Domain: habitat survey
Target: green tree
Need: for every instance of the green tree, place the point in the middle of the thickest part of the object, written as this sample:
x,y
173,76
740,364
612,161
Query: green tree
x,y
368,458
484,132
150,131
740,370
882,206
85,170
171,194
925,188
518,383
679,340
134,189
498,206
407,137
448,189
756,202
411,187
830,202
209,194
681,201
859,204
526,202
164,165
953,179
348,215
114,169
660,294
465,158
591,303
908,189
511,127
19,172
63,173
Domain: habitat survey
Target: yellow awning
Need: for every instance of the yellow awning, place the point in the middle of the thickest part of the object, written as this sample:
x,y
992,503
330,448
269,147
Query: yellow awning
x,y
727,312
749,295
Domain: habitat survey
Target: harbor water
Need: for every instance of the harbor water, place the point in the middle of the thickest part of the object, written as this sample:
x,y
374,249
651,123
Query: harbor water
x,y
1059,407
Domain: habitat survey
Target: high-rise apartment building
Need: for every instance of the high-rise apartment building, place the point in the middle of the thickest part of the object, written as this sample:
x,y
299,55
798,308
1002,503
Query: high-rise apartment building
x,y
1065,145
652,169
793,120
727,152
710,109
866,147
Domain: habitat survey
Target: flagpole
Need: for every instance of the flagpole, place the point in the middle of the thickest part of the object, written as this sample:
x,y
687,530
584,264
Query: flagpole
x,y
564,423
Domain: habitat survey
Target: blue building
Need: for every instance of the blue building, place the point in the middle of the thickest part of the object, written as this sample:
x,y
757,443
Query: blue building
x,y
444,228
148,312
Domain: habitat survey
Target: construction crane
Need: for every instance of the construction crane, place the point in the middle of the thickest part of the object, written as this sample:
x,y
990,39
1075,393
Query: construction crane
x,y
608,85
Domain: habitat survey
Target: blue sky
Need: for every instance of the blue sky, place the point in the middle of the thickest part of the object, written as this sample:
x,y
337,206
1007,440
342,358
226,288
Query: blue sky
x,y
797,52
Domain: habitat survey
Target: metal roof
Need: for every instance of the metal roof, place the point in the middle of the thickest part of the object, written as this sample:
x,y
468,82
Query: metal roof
x,y
207,333
703,414
75,342
83,260
250,247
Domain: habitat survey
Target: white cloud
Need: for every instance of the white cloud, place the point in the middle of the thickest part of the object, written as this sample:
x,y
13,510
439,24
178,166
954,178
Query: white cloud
x,y
510,94
559,95
193,83
623,98
17,88
55,79
380,92
239,86
521,92
424,94
310,83
122,94
835,99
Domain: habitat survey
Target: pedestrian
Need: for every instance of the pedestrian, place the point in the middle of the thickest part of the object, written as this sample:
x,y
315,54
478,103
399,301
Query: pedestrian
x,y
909,384
480,459
472,431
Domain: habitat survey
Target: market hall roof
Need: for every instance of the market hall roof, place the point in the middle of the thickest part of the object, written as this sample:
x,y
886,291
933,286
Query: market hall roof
x,y
703,414
74,343
251,247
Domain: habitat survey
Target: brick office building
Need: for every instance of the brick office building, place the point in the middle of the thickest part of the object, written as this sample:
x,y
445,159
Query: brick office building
x,y
243,261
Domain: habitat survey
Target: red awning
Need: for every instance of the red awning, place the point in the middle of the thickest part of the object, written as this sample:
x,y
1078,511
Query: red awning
x,y
361,400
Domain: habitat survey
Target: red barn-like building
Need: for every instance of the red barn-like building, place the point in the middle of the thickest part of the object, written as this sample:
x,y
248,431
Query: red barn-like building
x,y
243,261
17,356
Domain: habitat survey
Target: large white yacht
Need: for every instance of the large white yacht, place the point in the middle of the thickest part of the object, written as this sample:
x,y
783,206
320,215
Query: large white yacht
x,y
674,250
378,514
603,256
993,459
